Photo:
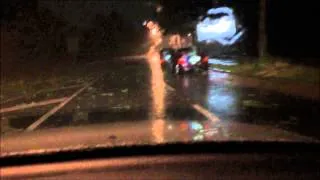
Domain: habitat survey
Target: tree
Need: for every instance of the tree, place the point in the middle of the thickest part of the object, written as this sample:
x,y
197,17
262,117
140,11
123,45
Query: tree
x,y
111,34
262,45
32,34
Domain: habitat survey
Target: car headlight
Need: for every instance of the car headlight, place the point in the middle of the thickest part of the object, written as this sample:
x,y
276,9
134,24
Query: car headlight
x,y
167,57
194,60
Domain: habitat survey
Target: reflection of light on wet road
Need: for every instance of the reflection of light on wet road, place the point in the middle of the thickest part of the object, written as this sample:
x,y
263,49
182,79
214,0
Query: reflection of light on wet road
x,y
158,130
219,97
157,85
222,100
185,82
218,76
225,62
158,95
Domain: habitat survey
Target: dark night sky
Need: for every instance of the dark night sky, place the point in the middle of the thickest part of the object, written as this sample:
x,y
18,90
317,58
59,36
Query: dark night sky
x,y
292,26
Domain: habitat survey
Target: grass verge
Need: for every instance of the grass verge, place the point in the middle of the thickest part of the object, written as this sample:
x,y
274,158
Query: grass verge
x,y
57,77
277,69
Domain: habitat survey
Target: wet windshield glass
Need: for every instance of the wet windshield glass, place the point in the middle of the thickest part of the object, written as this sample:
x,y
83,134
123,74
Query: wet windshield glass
x,y
107,72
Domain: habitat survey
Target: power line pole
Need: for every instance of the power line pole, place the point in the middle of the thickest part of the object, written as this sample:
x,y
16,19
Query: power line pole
x,y
262,44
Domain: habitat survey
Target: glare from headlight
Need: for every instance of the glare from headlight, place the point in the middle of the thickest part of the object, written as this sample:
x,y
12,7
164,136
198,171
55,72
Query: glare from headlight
x,y
194,59
167,57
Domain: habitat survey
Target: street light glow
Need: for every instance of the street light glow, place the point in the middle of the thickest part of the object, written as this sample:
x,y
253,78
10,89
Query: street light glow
x,y
154,31
159,9
150,24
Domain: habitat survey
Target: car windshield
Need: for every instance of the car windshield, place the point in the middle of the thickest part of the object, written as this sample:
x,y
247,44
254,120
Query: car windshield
x,y
88,73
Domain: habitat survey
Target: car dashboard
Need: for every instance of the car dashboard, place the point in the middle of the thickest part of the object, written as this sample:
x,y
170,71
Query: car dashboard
x,y
292,161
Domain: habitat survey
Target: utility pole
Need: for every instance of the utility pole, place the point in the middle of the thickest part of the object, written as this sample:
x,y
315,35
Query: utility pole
x,y
262,44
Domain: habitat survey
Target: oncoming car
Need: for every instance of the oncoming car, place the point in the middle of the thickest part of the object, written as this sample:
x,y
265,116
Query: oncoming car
x,y
184,60
165,55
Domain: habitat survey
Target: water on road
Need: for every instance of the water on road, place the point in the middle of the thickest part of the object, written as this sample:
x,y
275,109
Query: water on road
x,y
140,90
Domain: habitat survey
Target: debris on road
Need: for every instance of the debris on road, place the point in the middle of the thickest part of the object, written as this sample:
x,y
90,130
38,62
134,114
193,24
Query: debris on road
x,y
254,104
90,88
107,94
125,107
32,105
124,90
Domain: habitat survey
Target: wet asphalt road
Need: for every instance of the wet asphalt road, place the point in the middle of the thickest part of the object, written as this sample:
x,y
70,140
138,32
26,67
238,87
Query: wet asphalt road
x,y
139,90
251,105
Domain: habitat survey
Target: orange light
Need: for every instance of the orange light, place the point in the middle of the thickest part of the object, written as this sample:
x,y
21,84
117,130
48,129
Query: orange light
x,y
154,31
150,24
184,126
158,93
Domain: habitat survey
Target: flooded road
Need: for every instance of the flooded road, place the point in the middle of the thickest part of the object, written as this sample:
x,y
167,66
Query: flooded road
x,y
140,91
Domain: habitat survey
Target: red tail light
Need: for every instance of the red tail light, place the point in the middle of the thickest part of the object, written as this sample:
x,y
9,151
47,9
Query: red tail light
x,y
181,60
205,59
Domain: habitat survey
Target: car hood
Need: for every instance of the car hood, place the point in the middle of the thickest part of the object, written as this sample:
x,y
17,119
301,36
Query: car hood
x,y
140,133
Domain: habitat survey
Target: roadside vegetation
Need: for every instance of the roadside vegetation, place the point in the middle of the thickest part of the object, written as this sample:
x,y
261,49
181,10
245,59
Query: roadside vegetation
x,y
34,51
277,69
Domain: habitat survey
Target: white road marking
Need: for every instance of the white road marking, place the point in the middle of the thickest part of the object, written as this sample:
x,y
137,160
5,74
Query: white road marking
x,y
32,105
206,113
34,125
132,57
170,88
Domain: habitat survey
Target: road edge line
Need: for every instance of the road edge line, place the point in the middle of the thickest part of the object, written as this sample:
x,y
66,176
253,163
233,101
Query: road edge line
x,y
200,109
170,87
212,117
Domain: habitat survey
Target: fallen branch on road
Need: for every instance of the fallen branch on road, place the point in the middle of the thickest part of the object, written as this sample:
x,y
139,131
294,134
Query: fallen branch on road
x,y
32,105
41,91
